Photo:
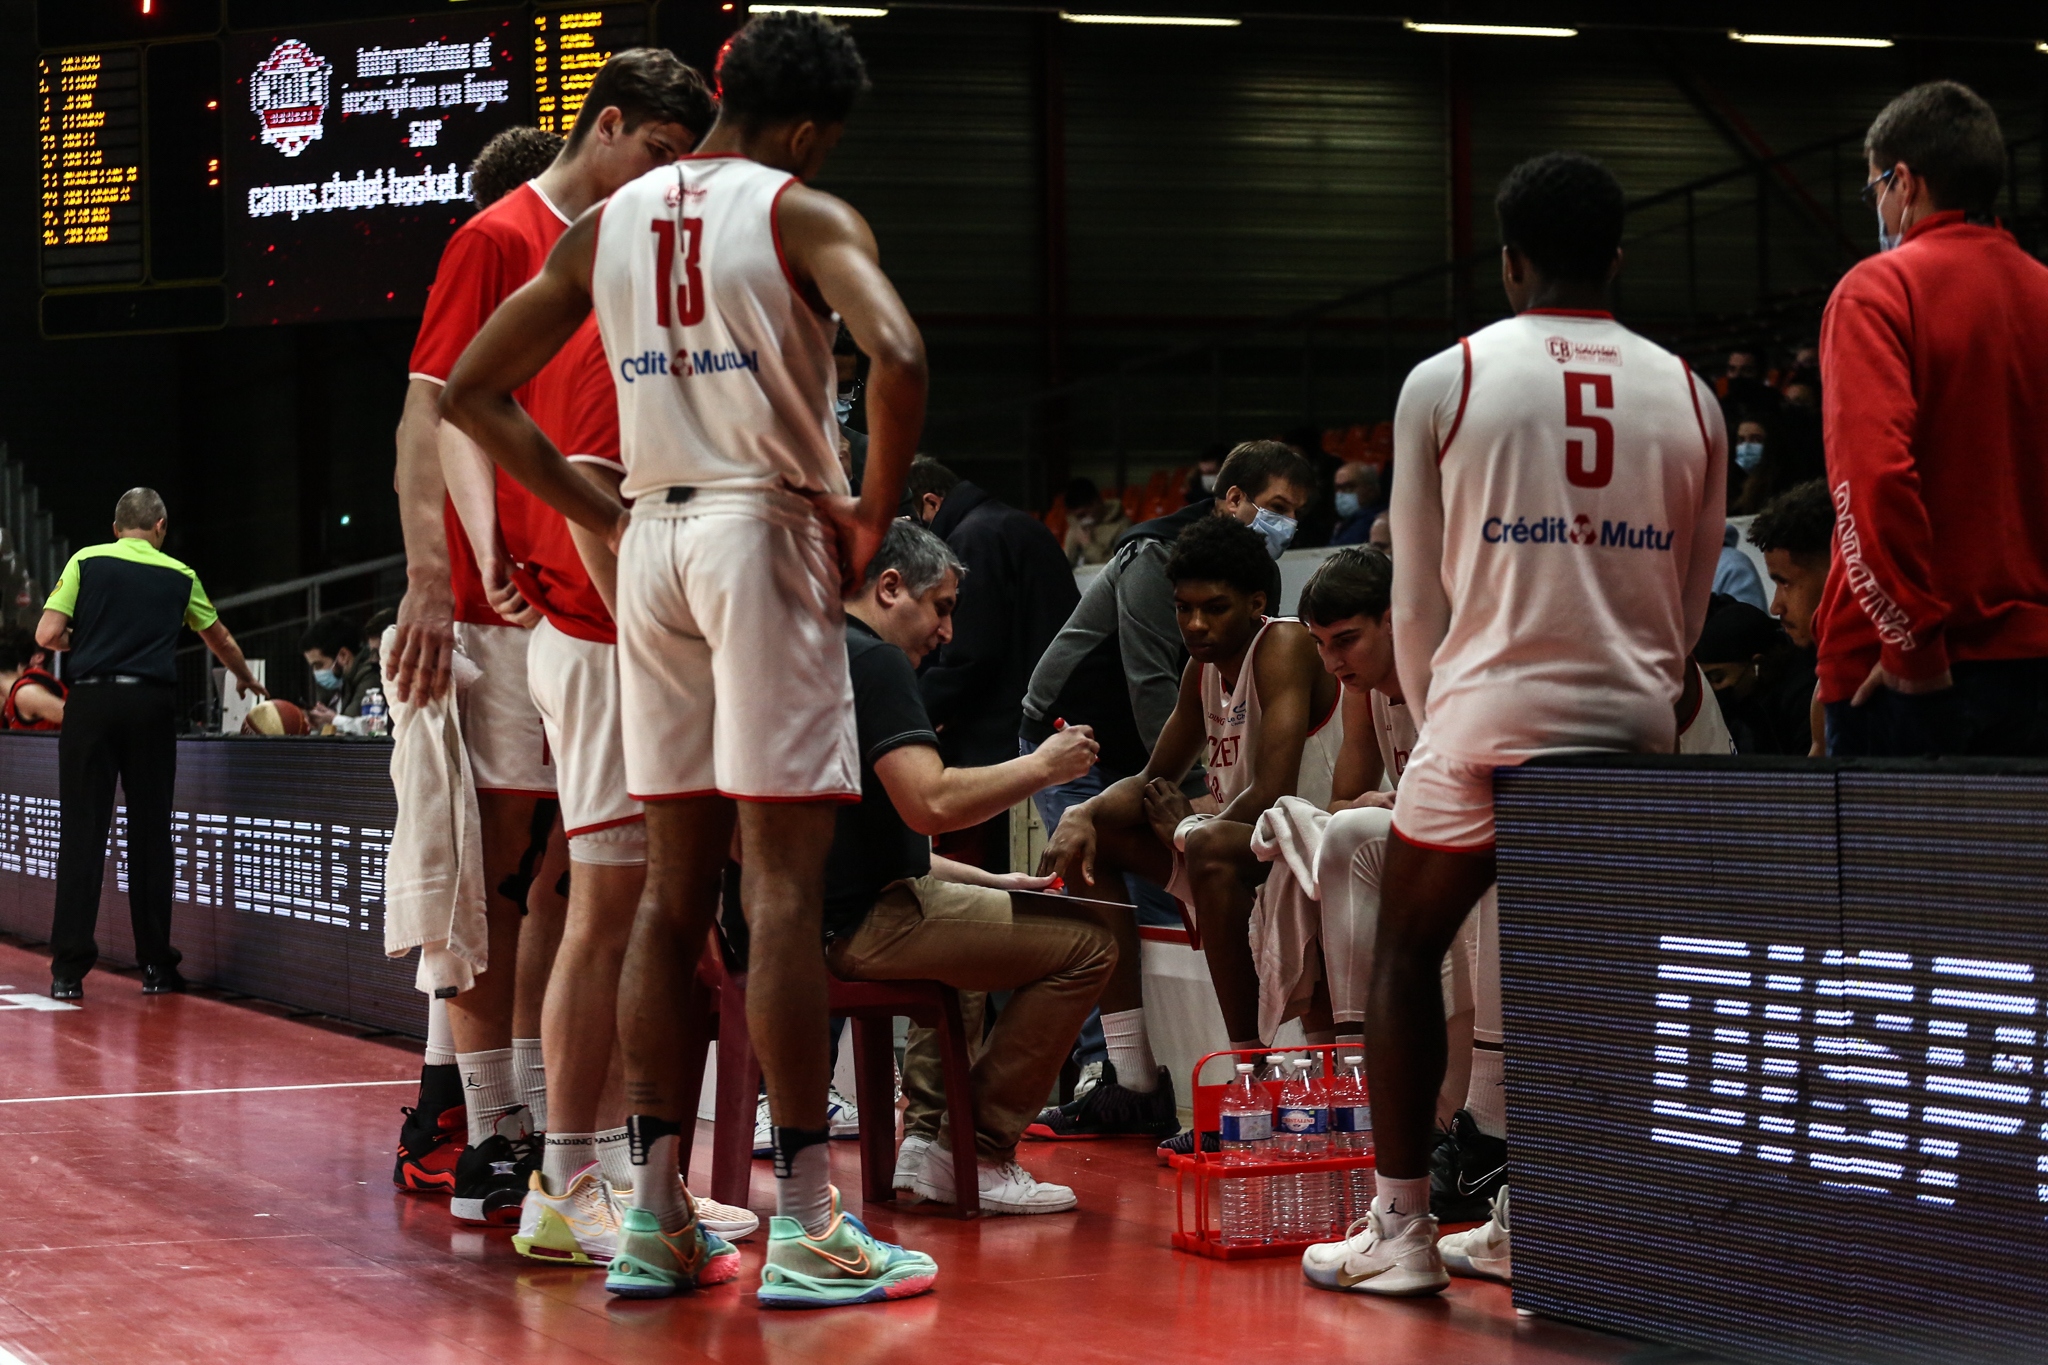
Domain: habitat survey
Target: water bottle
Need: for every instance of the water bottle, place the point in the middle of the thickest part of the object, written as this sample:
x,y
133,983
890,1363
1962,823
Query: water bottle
x,y
1280,1190
1246,1138
376,716
1302,1127
1351,1133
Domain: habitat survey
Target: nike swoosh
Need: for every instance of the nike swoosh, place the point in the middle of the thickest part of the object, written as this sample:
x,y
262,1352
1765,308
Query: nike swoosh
x,y
859,1271
1493,1174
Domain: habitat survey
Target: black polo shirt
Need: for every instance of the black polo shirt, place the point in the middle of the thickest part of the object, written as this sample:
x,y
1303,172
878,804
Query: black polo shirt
x,y
127,601
871,846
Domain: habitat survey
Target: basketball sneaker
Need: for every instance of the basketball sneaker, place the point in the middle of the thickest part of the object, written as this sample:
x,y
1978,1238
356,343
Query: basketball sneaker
x,y
1110,1110
910,1164
1367,1261
1481,1252
491,1178
1005,1186
577,1227
1183,1144
429,1146
733,1224
764,1130
1466,1169
846,1265
842,1115
652,1264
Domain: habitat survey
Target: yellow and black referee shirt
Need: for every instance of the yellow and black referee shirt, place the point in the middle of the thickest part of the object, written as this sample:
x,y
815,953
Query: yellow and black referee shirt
x,y
127,601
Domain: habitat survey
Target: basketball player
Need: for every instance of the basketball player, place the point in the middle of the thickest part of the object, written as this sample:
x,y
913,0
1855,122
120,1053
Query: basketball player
x,y
638,114
714,284
1257,708
1558,503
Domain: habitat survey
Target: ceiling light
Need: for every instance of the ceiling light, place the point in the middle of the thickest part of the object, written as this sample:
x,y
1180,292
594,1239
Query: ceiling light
x,y
1491,30
827,11
1172,21
1806,40
2041,47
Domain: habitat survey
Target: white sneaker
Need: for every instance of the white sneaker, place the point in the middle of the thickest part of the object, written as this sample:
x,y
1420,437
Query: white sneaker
x,y
1005,1187
1091,1076
580,1226
764,1129
842,1115
1481,1251
910,1165
1368,1261
723,1219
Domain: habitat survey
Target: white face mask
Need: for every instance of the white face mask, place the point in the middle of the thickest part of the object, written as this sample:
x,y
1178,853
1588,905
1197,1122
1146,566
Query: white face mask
x,y
1208,483
1278,531
1887,241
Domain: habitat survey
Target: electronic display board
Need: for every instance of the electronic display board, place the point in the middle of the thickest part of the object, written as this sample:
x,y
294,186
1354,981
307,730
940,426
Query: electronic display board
x,y
569,47
1774,1053
91,134
347,158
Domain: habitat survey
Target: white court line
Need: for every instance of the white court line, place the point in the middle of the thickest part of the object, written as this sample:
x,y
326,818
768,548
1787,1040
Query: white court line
x,y
226,1090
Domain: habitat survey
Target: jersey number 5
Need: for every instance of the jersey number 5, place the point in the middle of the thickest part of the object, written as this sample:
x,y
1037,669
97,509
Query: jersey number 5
x,y
1584,468
689,296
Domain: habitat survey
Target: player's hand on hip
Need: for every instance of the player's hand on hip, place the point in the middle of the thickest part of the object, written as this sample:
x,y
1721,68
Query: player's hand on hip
x,y
1880,676
1068,754
856,538
1073,841
422,658
504,597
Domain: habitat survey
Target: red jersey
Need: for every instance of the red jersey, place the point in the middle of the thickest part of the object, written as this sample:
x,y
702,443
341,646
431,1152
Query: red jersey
x,y
573,401
1937,445
489,257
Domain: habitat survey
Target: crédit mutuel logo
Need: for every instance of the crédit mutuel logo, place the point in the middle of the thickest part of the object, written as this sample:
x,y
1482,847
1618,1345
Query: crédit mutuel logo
x,y
1580,530
685,364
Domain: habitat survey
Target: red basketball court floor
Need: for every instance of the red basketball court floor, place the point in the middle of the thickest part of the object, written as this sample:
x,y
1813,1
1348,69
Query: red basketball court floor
x,y
258,1223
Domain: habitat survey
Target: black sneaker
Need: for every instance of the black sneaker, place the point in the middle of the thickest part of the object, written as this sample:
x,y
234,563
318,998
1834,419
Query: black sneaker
x,y
162,981
1465,1171
1109,1110
66,988
491,1177
1183,1144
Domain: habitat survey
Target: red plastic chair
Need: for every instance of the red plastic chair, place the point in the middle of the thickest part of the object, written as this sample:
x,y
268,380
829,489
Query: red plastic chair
x,y
872,1007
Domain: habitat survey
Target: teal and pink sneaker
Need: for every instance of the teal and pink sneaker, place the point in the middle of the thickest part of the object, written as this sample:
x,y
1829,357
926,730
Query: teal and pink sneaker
x,y
652,1264
846,1265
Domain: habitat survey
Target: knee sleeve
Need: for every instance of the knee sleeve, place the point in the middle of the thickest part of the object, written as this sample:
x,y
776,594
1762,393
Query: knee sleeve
x,y
615,845
1348,867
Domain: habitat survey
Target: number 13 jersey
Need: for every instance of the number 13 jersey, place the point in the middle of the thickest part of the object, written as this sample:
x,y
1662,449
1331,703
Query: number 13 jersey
x,y
724,370
1559,489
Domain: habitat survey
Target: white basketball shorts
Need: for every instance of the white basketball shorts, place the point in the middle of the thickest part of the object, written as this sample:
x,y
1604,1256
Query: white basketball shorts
x,y
576,688
1444,804
508,751
732,651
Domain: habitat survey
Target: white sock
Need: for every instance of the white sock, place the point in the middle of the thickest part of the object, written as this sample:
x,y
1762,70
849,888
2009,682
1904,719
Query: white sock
x,y
1400,1202
1486,1098
440,1034
655,1187
565,1154
489,1088
1130,1050
533,1079
615,1158
805,1194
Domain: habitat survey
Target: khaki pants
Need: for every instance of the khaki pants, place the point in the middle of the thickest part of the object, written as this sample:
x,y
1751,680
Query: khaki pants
x,y
968,938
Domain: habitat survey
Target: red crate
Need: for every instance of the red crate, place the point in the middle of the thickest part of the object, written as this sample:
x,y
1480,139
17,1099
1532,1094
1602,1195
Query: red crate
x,y
1198,1204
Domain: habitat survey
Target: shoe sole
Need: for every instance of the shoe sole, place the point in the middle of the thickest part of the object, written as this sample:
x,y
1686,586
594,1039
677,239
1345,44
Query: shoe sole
x,y
628,1282
1395,1284
473,1212
1481,1269
555,1256
989,1205
908,1287
423,1183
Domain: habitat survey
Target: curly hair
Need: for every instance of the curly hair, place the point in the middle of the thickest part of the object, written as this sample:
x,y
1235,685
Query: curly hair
x,y
1564,212
1800,521
1220,550
508,161
1358,580
790,65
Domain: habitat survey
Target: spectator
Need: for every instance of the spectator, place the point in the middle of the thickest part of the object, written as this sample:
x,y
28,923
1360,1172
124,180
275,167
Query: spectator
x,y
1934,625
1761,680
35,699
1382,537
1094,523
1201,483
1744,386
1795,532
1735,576
1802,395
1772,453
1357,501
1017,593
345,667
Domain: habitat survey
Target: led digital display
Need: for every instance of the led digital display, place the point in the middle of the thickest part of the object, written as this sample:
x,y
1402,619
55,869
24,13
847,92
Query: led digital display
x,y
91,135
347,156
569,47
1774,1054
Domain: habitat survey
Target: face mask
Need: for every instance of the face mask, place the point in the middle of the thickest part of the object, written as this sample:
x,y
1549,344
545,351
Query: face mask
x,y
1278,531
1749,454
1886,241
1347,505
328,679
1208,483
842,403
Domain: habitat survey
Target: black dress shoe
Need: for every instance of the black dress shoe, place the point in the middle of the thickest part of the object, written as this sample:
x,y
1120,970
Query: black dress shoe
x,y
60,989
161,981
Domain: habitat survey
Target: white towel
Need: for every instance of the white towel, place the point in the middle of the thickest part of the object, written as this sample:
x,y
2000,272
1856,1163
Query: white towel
x,y
1286,925
434,874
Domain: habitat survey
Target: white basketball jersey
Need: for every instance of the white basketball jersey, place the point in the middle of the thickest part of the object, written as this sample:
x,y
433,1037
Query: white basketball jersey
x,y
1232,725
1558,500
1394,724
724,372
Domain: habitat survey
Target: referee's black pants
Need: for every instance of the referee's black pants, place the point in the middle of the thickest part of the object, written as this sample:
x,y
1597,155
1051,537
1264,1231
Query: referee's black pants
x,y
127,731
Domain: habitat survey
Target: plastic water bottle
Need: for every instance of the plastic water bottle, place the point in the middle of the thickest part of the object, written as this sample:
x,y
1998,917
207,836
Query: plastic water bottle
x,y
1246,1139
376,716
1280,1191
1351,1133
1302,1127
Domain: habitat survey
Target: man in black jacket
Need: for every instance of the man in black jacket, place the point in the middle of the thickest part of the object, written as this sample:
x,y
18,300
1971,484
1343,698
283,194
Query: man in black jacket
x,y
1017,594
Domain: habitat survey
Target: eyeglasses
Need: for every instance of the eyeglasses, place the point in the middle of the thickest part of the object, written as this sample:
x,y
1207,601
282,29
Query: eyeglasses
x,y
1872,189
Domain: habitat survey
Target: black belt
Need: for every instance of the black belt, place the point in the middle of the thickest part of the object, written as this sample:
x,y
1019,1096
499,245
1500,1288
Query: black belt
x,y
116,678
681,494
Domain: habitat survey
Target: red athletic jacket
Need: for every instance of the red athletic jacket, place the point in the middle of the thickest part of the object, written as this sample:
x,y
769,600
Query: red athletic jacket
x,y
1934,376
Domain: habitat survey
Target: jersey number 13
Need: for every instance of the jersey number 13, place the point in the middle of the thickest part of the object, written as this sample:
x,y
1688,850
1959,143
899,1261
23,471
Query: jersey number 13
x,y
689,295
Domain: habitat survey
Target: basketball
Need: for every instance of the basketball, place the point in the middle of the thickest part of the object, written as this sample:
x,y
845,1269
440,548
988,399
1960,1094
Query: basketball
x,y
275,717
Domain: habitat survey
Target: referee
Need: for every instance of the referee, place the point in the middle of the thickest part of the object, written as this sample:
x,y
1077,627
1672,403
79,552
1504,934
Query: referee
x,y
118,609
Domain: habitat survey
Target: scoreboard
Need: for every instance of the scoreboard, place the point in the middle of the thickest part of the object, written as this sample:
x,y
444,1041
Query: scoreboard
x,y
256,162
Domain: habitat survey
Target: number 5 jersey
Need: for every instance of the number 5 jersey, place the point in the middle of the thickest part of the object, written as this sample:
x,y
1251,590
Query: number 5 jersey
x,y
1558,503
